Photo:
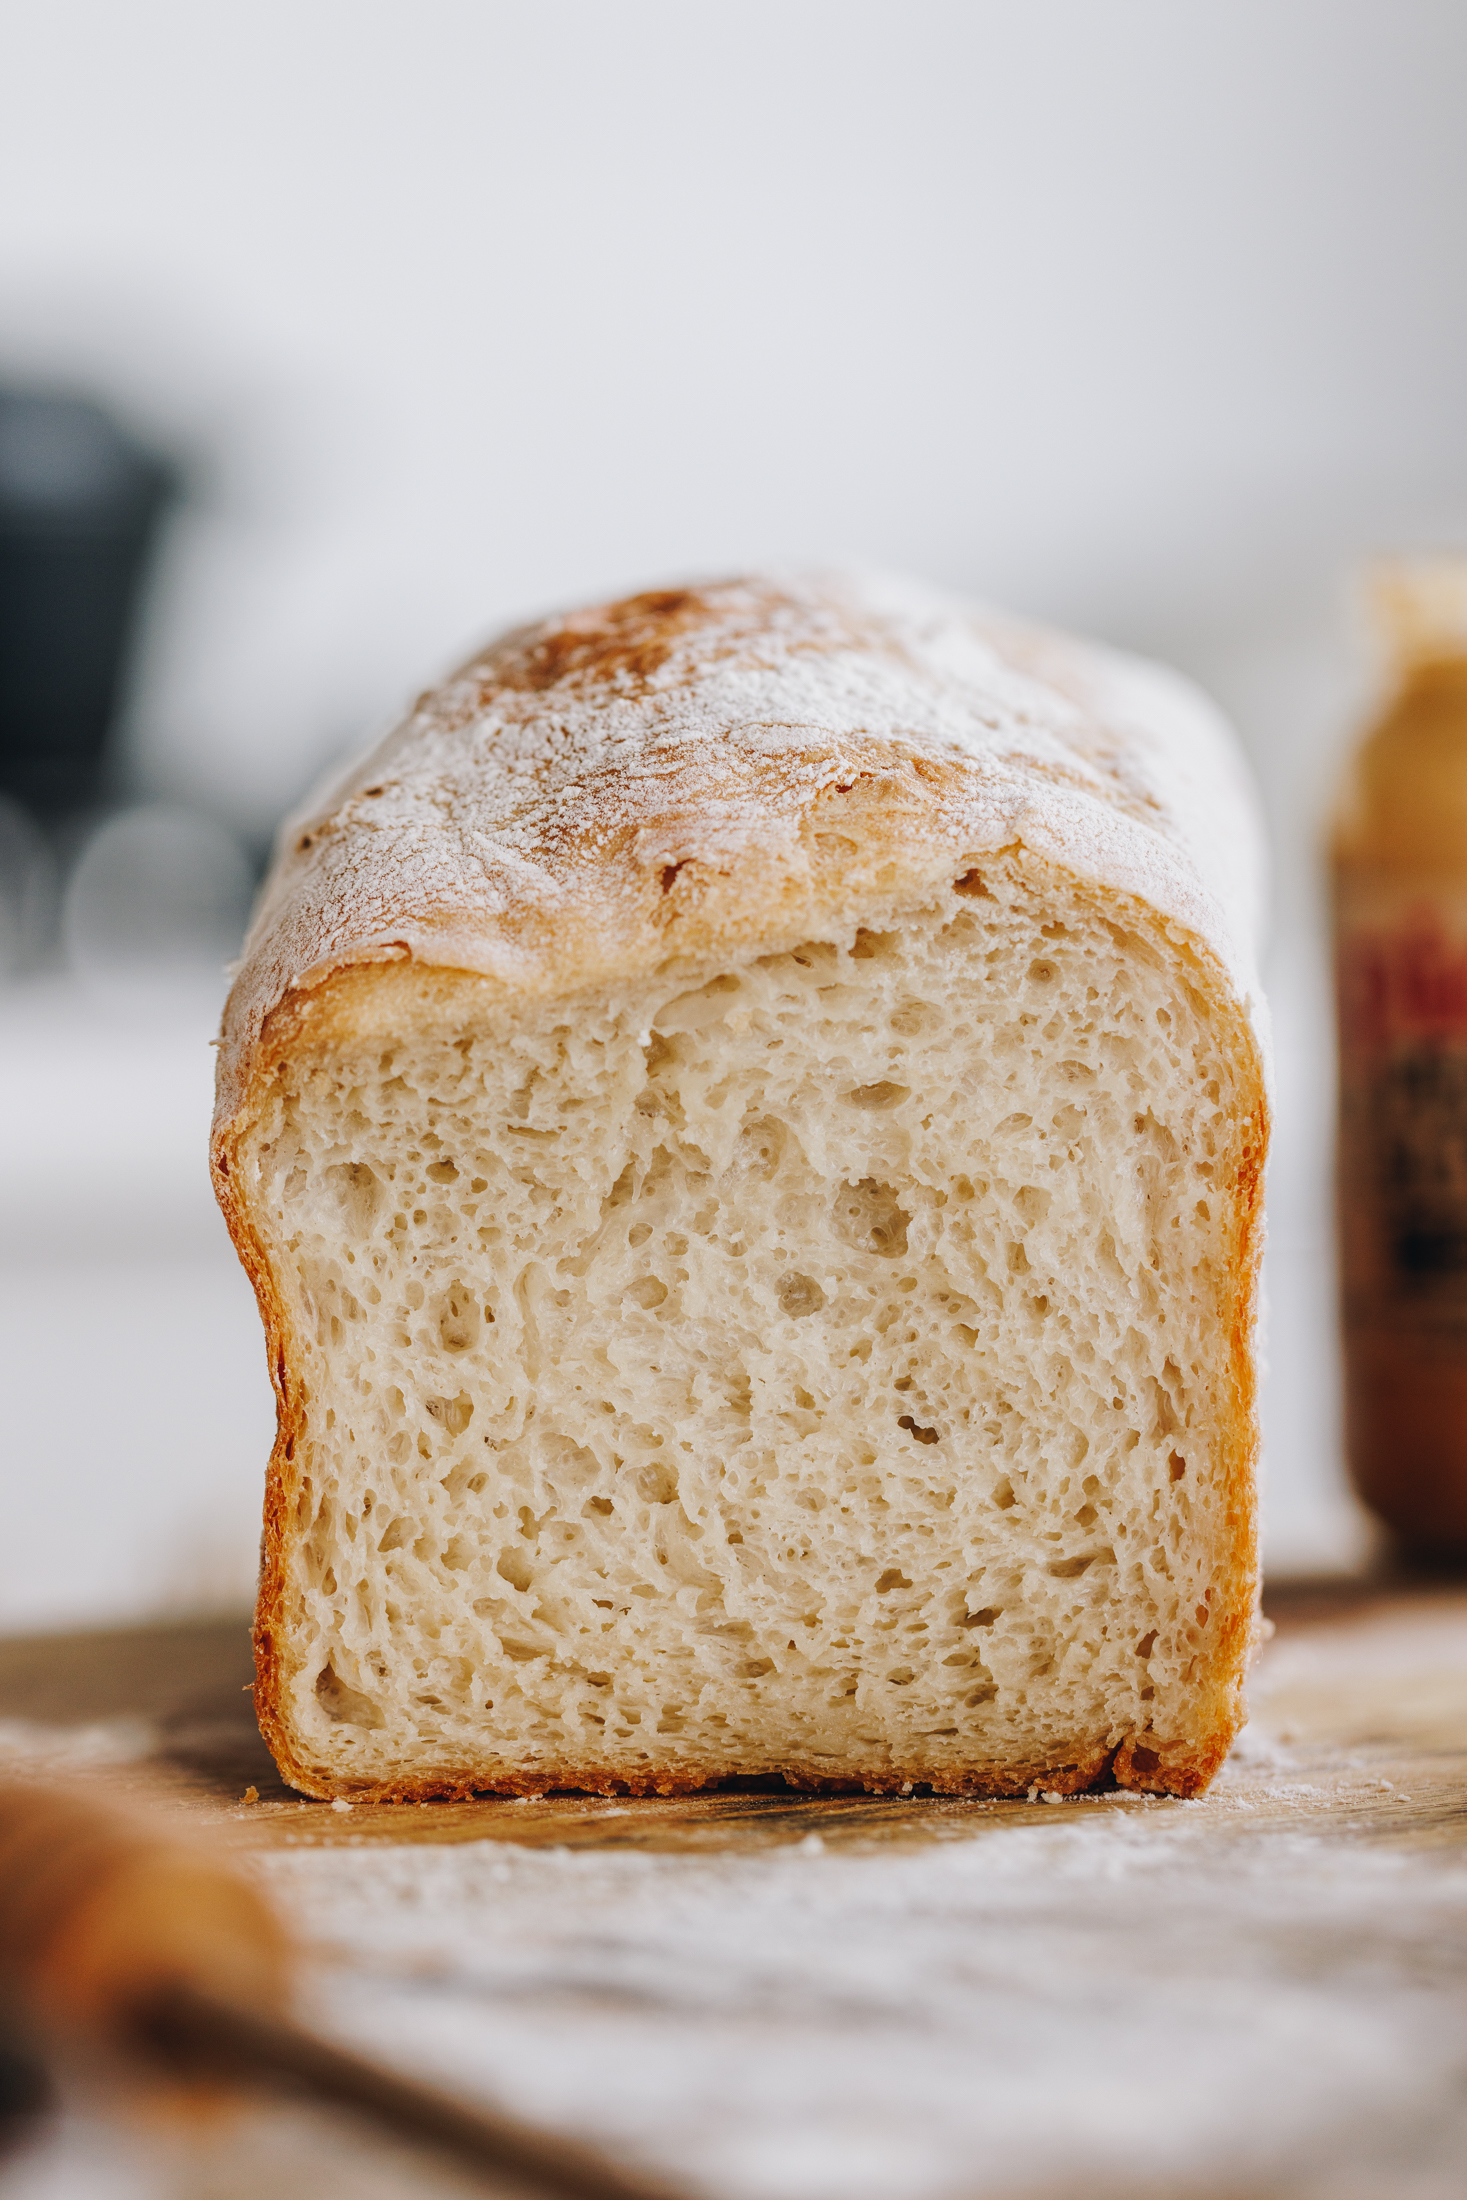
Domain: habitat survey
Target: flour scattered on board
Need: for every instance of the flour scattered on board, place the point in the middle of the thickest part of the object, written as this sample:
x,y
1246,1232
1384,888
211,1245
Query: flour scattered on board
x,y
990,2014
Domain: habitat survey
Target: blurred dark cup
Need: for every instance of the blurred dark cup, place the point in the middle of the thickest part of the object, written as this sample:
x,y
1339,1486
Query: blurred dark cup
x,y
80,506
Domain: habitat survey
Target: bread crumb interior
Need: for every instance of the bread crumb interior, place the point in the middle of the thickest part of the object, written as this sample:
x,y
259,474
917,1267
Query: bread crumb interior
x,y
818,1364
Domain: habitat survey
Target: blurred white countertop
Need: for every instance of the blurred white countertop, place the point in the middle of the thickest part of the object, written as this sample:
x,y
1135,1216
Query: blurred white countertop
x,y
137,1411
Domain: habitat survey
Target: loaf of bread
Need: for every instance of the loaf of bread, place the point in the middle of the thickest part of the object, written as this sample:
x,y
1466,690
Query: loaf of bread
x,y
746,1119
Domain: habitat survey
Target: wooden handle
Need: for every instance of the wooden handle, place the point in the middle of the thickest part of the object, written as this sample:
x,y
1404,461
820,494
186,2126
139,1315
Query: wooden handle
x,y
100,1910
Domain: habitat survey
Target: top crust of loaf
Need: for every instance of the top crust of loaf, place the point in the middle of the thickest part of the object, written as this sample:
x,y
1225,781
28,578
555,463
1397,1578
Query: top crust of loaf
x,y
688,771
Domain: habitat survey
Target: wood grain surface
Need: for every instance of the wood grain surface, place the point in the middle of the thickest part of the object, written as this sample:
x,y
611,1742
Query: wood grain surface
x,y
1260,1992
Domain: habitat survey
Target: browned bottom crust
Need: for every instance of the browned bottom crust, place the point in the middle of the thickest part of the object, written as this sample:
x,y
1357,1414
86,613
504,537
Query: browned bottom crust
x,y
1135,1765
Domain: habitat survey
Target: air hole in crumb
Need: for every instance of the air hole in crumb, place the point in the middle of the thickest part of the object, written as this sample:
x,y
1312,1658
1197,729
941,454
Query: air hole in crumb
x,y
689,1012
345,1706
459,1319
985,1618
1177,1466
973,884
870,1216
1146,1645
893,1578
883,1095
923,1435
761,1146
875,946
515,1568
798,1296
358,1193
452,1414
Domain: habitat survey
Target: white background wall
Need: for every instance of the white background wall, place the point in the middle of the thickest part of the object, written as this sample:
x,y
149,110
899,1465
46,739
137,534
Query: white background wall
x,y
1147,317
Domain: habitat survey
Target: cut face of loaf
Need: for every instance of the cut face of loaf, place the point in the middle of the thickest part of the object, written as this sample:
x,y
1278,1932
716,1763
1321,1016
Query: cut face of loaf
x,y
830,1360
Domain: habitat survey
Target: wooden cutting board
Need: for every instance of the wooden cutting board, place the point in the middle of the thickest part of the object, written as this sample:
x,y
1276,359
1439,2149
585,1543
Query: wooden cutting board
x,y
1263,1991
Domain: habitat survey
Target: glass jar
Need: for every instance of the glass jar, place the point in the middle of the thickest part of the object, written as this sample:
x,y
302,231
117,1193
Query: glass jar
x,y
1399,874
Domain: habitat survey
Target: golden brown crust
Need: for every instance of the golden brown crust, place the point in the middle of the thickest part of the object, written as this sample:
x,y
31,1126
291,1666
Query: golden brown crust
x,y
1134,1765
585,804
1087,1770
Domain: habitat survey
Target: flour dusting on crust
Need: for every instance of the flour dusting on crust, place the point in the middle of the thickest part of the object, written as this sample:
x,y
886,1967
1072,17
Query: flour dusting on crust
x,y
597,793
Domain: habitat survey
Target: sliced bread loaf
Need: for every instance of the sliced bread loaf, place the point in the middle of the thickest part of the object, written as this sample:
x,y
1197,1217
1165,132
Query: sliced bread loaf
x,y
746,1120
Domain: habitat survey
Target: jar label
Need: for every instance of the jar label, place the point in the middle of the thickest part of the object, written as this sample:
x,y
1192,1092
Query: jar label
x,y
1401,968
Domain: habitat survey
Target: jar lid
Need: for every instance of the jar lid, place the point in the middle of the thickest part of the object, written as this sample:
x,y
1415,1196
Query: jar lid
x,y
1419,608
